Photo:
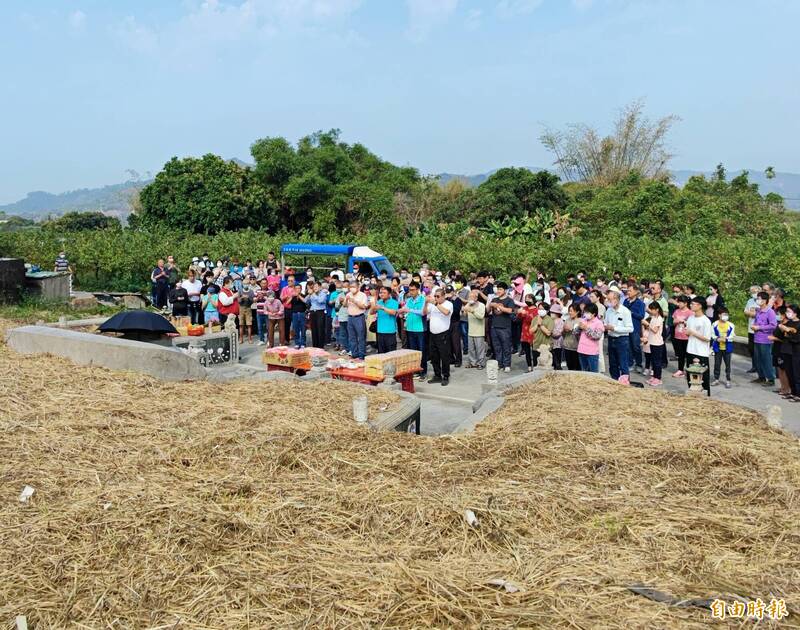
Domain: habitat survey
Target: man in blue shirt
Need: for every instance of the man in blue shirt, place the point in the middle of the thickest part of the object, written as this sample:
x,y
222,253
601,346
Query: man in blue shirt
x,y
317,302
386,308
413,308
636,306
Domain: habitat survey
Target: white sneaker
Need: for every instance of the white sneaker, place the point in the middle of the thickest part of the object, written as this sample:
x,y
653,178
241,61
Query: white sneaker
x,y
506,369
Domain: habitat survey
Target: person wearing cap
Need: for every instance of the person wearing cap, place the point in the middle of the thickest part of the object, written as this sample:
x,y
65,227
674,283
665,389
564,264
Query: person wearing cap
x,y
618,325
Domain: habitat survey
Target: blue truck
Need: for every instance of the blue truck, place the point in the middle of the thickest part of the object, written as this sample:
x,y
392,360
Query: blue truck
x,y
368,260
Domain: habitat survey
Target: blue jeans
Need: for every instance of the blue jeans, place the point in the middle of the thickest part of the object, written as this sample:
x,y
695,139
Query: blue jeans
x,y
501,342
464,335
263,325
357,335
634,350
618,356
341,336
299,329
416,341
762,353
589,362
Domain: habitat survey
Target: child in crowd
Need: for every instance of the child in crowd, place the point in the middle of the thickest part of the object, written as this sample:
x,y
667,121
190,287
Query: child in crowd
x,y
592,330
653,341
723,330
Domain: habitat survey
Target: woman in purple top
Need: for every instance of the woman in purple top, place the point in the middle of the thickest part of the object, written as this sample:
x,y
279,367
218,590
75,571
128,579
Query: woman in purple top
x,y
763,326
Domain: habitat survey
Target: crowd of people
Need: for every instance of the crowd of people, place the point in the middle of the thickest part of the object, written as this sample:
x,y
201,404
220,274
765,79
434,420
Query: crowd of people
x,y
459,320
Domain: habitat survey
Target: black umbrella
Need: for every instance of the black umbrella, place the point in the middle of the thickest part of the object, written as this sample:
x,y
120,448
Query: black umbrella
x,y
137,322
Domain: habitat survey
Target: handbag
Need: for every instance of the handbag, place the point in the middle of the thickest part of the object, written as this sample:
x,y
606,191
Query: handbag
x,y
373,327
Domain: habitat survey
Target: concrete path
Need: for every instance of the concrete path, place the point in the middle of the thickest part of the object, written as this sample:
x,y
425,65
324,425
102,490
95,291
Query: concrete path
x,y
444,408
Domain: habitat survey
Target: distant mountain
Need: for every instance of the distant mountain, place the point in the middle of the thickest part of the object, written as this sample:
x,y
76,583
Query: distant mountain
x,y
112,200
477,180
787,185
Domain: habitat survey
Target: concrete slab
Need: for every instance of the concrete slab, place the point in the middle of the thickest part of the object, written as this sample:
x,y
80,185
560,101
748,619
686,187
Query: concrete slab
x,y
117,354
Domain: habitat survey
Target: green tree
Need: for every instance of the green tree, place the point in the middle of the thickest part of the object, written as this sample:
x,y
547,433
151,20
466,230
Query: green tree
x,y
205,195
515,193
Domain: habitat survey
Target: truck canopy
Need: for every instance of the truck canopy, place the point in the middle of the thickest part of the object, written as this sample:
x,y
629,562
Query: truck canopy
x,y
310,249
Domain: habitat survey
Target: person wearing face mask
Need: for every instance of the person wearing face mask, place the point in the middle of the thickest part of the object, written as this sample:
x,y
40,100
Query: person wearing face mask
x,y
764,324
699,332
557,334
723,332
525,317
518,292
542,329
791,335
782,355
750,312
714,302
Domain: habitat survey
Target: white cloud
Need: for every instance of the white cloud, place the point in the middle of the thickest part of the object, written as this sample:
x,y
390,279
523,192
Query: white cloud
x,y
511,8
209,24
77,20
424,15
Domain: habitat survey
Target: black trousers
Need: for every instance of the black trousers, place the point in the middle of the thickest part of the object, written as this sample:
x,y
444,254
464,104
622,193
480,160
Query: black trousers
x,y
328,329
679,346
318,329
556,352
387,342
456,349
195,313
706,376
440,354
572,359
796,373
516,335
287,325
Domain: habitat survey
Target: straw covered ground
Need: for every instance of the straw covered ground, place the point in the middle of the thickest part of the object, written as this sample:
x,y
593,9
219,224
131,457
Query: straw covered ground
x,y
263,505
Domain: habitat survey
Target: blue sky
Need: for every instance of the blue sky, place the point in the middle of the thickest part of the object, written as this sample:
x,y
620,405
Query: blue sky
x,y
91,88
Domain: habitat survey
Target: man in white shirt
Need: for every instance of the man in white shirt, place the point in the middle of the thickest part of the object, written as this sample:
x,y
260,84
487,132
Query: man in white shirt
x,y
439,311
193,287
698,328
619,325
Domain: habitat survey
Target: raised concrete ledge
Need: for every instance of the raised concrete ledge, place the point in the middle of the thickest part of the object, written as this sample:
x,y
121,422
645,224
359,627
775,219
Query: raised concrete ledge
x,y
110,352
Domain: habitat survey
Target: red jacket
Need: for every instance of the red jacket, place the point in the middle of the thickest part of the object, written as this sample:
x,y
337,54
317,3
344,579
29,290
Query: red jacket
x,y
230,309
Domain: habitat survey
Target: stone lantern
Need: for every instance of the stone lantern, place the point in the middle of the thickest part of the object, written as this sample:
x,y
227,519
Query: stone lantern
x,y
696,372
